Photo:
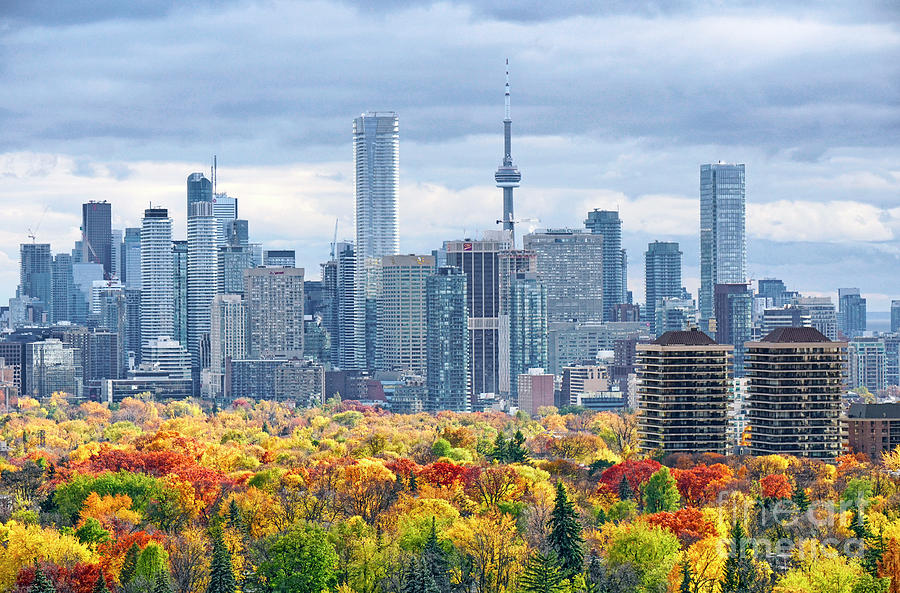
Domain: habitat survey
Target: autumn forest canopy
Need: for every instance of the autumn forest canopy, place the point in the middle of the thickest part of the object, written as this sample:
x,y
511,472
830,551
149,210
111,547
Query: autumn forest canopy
x,y
263,497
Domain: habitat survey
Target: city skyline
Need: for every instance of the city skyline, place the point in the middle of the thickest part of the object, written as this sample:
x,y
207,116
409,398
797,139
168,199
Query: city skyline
x,y
821,195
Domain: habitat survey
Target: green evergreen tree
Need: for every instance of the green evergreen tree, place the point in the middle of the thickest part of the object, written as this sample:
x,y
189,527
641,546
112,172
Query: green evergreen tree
x,y
661,492
435,566
625,491
235,518
500,451
41,583
686,578
100,585
801,499
162,583
413,577
129,565
221,573
516,451
565,534
542,575
741,574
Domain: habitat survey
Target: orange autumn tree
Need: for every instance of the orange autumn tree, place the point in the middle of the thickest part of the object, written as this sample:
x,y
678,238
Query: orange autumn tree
x,y
776,486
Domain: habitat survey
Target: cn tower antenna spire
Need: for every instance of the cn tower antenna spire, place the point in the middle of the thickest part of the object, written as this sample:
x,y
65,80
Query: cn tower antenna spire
x,y
507,88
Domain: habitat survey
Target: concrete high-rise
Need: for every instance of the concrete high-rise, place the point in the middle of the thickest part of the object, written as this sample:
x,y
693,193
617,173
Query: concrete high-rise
x,y
227,338
608,224
684,380
480,262
401,313
447,342
199,189
507,176
274,301
157,276
570,263
867,356
96,235
376,154
796,379
662,265
851,312
723,248
528,347
35,276
202,276
822,314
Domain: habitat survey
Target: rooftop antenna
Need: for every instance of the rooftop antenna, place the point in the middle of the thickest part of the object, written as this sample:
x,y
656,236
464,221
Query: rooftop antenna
x,y
506,112
213,174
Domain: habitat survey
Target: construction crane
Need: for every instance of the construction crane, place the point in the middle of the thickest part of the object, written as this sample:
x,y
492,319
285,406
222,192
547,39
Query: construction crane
x,y
33,233
334,240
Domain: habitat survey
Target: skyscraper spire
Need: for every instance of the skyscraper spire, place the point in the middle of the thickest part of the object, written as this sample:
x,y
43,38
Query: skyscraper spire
x,y
507,176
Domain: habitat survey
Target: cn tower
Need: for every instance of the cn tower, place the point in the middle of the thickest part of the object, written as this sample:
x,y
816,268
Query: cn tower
x,y
507,176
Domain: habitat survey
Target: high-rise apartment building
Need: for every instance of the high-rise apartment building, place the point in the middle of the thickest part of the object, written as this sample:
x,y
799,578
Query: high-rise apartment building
x,y
401,313
274,301
345,302
480,262
723,251
225,210
868,357
786,316
227,337
157,276
796,378
662,264
822,314
684,379
733,319
202,276
96,235
232,261
510,263
35,274
168,356
376,154
528,347
895,316
851,312
674,314
570,263
447,342
774,291
199,189
608,224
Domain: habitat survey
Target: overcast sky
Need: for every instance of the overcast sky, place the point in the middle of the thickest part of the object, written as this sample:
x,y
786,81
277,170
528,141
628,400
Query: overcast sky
x,y
613,107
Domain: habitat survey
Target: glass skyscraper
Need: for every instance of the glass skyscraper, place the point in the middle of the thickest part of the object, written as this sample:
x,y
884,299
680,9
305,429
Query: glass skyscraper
x,y
662,277
202,276
199,189
376,155
96,235
447,342
34,272
528,346
608,224
723,249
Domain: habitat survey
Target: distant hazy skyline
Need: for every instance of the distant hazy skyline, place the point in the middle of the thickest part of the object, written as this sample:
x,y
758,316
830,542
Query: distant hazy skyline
x,y
612,107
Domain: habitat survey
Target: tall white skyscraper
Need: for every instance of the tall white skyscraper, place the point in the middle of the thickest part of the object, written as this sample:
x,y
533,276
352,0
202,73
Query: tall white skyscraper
x,y
157,276
224,208
723,247
227,337
376,155
202,274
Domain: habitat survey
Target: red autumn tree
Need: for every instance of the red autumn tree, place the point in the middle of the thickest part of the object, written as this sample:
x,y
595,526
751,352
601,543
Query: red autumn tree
x,y
776,486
